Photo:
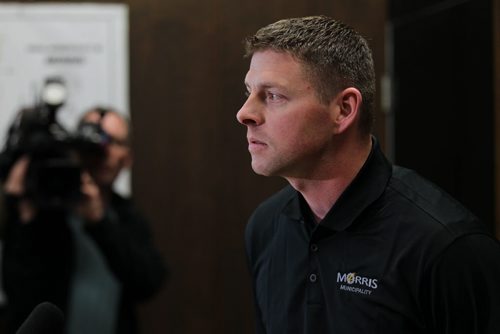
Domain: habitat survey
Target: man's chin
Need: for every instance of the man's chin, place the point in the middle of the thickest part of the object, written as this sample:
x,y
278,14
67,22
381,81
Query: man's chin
x,y
262,170
104,180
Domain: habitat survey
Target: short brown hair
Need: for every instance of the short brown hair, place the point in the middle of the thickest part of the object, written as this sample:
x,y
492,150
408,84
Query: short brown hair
x,y
334,54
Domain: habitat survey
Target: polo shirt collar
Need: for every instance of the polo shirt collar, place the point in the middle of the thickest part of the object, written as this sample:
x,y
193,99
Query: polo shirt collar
x,y
366,187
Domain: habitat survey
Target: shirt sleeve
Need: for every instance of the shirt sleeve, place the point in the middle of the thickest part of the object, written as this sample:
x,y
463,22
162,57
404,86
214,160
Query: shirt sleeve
x,y
464,288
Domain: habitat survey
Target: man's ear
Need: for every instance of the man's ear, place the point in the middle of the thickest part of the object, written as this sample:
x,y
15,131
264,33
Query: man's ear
x,y
348,104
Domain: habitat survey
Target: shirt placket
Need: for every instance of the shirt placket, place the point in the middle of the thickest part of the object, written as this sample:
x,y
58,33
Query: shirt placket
x,y
315,299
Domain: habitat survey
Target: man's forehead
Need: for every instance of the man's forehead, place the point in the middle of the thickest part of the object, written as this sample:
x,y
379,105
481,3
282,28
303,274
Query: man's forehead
x,y
111,122
92,116
275,69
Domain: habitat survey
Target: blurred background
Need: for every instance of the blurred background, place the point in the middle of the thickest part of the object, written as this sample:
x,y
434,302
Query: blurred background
x,y
438,112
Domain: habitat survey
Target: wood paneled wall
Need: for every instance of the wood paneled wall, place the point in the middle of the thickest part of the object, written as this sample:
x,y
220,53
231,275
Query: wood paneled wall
x,y
192,174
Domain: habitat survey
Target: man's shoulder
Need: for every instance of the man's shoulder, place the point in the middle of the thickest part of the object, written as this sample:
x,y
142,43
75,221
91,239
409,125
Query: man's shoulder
x,y
125,210
426,199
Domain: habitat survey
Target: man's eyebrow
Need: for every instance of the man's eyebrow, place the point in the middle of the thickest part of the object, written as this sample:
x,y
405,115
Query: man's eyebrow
x,y
266,84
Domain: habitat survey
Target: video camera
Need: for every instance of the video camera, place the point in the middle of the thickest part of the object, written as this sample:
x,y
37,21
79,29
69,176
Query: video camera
x,y
53,178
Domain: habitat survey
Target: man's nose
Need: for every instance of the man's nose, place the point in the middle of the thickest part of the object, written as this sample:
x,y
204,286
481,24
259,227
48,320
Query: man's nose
x,y
250,113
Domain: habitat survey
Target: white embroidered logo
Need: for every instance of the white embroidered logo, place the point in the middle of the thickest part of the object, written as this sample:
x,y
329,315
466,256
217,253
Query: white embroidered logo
x,y
356,283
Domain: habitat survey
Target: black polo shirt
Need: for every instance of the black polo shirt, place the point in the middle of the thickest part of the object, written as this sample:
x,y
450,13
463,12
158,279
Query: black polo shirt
x,y
395,254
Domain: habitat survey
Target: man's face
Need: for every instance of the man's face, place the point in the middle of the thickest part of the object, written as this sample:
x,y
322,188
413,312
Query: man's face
x,y
117,153
289,130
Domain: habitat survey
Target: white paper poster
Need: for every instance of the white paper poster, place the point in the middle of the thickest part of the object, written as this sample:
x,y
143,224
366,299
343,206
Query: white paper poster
x,y
86,45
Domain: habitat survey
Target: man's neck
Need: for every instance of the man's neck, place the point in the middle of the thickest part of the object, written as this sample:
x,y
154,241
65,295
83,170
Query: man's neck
x,y
322,193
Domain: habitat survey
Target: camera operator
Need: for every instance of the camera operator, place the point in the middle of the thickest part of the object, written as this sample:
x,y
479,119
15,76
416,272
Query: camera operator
x,y
93,256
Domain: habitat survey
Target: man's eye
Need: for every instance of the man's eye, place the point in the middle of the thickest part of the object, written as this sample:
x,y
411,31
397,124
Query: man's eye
x,y
273,97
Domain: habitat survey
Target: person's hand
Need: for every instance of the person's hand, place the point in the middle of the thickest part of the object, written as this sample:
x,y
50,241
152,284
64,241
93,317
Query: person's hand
x,y
14,186
92,206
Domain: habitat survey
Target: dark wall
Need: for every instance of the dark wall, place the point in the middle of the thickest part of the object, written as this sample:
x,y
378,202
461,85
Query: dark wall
x,y
496,89
192,173
443,96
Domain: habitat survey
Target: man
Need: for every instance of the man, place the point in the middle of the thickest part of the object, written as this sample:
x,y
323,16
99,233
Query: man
x,y
95,259
353,244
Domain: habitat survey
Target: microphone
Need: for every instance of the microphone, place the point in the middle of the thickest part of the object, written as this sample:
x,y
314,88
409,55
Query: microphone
x,y
46,318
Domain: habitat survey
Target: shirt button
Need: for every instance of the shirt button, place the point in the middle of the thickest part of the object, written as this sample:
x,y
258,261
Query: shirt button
x,y
313,278
314,247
